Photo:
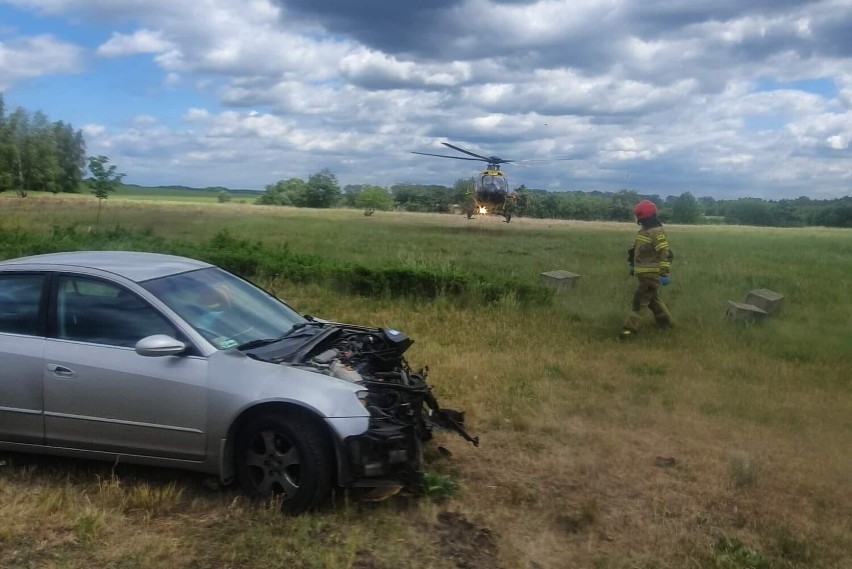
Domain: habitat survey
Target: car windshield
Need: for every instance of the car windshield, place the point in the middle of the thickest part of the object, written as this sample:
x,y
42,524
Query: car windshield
x,y
225,309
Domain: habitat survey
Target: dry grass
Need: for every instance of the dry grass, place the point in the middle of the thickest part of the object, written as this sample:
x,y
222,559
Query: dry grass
x,y
568,472
594,453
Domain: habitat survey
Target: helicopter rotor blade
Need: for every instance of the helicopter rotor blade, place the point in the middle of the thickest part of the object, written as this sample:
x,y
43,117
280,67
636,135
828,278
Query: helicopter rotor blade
x,y
489,159
525,162
445,156
544,159
465,151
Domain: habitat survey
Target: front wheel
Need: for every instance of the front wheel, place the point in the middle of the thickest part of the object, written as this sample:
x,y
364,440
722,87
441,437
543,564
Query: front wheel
x,y
287,456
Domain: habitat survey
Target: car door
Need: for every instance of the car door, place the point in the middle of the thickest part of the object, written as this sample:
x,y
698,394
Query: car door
x,y
22,326
100,395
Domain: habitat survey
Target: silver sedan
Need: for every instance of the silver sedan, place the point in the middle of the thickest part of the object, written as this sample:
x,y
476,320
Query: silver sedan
x,y
164,360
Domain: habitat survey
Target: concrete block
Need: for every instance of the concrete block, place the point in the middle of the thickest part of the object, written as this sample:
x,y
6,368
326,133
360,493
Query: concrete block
x,y
743,311
562,281
766,300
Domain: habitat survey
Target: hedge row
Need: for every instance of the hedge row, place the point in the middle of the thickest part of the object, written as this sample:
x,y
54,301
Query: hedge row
x,y
254,259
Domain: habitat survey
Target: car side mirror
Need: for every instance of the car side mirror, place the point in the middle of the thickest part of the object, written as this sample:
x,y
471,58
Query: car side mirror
x,y
159,345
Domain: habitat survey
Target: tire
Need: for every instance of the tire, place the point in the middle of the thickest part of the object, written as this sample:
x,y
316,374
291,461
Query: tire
x,y
287,456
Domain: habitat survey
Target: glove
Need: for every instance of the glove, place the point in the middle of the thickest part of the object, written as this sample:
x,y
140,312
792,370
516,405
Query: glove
x,y
630,269
665,280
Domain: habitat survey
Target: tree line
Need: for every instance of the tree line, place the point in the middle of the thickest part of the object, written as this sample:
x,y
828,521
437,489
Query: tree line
x,y
39,155
323,191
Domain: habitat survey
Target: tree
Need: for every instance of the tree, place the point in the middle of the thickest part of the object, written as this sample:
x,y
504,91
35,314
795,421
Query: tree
x,y
103,180
41,160
463,191
785,214
19,132
621,205
374,197
71,157
406,196
432,198
322,190
523,205
748,211
351,193
547,205
284,192
7,178
685,209
36,154
837,214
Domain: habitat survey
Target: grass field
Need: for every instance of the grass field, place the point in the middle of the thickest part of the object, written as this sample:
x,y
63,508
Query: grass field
x,y
164,193
712,445
183,194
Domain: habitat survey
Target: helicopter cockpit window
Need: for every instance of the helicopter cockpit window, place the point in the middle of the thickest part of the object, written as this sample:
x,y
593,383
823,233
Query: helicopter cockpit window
x,y
493,184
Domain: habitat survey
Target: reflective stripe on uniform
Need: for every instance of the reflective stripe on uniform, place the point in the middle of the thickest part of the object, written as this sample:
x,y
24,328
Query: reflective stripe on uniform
x,y
650,249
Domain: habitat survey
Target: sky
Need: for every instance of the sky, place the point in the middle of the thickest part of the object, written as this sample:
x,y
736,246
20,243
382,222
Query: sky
x,y
720,98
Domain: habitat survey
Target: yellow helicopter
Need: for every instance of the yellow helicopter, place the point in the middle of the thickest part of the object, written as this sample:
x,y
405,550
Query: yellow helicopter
x,y
491,188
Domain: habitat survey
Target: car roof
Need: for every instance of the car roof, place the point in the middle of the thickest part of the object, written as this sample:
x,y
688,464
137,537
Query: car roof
x,y
133,265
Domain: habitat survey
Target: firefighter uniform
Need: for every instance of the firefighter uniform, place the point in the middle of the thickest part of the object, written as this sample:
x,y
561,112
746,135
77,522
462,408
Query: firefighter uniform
x,y
649,259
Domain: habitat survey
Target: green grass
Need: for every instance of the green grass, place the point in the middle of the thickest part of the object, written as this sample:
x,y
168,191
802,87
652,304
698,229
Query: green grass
x,y
757,417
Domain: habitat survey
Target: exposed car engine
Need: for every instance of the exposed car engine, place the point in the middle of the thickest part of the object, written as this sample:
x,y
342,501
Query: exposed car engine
x,y
396,394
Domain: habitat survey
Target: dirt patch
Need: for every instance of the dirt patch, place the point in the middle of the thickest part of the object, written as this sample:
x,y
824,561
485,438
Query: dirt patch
x,y
365,560
468,545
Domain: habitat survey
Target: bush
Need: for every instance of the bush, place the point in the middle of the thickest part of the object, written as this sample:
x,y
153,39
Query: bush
x,y
731,553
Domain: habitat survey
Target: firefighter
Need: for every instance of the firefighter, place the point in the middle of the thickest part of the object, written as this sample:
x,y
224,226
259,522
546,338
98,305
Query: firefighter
x,y
650,261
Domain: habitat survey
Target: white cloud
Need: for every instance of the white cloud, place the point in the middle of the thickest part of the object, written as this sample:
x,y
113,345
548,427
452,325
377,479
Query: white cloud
x,y
378,70
626,148
838,142
25,58
140,41
94,130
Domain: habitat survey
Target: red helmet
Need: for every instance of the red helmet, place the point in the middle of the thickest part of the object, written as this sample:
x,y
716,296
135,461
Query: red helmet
x,y
645,209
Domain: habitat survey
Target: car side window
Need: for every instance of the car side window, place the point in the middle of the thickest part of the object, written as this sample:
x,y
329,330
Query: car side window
x,y
100,312
20,298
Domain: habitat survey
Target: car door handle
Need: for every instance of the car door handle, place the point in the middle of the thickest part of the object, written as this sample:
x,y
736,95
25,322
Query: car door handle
x,y
61,371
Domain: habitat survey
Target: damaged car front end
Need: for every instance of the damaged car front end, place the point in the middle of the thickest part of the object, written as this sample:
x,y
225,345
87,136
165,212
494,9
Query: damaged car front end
x,y
403,411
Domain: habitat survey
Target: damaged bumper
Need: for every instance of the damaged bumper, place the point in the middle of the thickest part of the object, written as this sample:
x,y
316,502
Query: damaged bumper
x,y
385,456
390,452
385,449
